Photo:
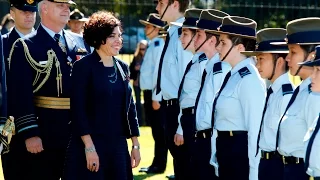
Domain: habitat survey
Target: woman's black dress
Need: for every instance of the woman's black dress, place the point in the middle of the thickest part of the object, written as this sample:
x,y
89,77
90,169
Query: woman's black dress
x,y
107,103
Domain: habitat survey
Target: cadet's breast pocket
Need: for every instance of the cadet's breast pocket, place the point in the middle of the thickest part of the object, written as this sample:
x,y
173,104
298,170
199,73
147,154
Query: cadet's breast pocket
x,y
192,84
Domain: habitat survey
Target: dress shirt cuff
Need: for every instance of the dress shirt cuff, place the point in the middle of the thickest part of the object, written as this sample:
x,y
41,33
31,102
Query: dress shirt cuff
x,y
253,174
156,97
179,130
29,133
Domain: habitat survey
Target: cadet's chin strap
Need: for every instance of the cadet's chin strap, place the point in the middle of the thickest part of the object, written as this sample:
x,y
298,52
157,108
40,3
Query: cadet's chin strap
x,y
274,66
164,12
300,67
207,38
233,44
190,41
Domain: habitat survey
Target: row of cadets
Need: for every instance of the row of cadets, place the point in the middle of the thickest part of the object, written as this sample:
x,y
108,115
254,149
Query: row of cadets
x,y
172,65
190,84
238,105
39,89
302,37
211,80
272,65
153,25
312,141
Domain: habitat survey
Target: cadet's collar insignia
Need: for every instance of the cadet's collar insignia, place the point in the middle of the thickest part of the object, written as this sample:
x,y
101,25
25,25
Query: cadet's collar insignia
x,y
179,31
202,57
30,1
156,43
217,68
244,71
309,88
287,89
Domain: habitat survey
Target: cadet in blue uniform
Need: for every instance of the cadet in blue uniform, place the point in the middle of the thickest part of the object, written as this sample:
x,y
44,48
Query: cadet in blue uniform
x,y
189,85
153,25
311,139
172,65
39,99
300,113
24,14
238,105
103,110
211,80
272,65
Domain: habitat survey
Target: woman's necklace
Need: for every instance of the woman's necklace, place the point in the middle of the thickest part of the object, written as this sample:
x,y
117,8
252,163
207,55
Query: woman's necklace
x,y
115,74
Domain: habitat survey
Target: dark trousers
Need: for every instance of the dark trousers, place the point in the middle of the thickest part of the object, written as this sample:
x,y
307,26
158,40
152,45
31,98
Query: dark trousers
x,y
316,178
200,161
148,110
295,172
232,155
271,169
159,136
137,93
20,164
180,163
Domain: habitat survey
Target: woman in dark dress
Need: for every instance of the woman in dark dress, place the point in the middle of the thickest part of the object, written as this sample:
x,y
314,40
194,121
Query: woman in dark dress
x,y
102,107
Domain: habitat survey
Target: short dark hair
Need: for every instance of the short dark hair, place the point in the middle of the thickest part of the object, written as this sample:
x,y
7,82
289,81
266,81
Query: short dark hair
x,y
184,4
248,43
307,49
277,56
100,26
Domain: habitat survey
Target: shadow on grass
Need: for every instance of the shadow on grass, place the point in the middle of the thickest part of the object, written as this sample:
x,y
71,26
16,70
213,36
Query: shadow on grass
x,y
142,176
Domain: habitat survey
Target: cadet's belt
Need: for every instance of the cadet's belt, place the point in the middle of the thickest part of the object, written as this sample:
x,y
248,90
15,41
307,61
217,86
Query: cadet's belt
x,y
203,134
291,160
189,110
52,102
170,102
269,155
231,133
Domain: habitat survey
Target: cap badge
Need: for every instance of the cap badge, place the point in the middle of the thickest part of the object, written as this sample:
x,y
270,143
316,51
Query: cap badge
x,y
30,1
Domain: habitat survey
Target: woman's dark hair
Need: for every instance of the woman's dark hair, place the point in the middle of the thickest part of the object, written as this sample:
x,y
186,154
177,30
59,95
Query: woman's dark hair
x,y
249,44
100,26
278,55
307,49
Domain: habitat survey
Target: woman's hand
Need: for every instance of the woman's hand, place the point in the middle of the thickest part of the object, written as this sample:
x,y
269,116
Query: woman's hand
x,y
135,157
92,159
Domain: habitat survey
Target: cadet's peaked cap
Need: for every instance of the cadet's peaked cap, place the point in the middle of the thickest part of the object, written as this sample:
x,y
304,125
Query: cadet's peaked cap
x,y
265,37
24,5
154,20
64,1
191,18
304,31
237,26
78,15
210,19
316,61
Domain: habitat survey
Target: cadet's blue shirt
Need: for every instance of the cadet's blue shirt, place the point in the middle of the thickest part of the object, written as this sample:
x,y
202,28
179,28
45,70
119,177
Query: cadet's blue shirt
x,y
174,64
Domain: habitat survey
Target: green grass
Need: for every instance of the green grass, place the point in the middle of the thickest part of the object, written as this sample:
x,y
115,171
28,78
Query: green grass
x,y
147,149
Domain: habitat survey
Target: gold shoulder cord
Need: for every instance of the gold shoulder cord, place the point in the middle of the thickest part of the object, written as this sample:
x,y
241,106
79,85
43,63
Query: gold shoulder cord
x,y
40,68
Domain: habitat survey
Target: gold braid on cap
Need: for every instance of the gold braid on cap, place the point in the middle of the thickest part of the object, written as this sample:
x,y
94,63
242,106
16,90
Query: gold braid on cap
x,y
41,68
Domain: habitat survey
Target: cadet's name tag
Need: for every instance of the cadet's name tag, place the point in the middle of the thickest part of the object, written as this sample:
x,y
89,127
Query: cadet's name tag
x,y
43,62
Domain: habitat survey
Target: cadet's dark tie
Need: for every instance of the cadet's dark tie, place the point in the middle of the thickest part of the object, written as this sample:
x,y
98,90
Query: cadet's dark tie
x,y
57,39
315,132
217,96
204,74
183,78
161,62
295,93
269,92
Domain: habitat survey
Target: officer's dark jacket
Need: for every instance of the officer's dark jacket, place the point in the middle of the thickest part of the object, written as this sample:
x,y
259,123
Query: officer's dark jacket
x,y
51,125
8,40
3,88
88,113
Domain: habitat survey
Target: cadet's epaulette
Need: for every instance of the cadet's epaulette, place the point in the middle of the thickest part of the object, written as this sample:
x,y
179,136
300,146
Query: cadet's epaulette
x,y
309,88
202,57
244,71
287,89
217,68
156,43
179,31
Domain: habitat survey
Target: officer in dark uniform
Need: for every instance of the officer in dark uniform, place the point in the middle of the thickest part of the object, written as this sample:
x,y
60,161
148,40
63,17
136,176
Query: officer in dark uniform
x,y
39,91
24,13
